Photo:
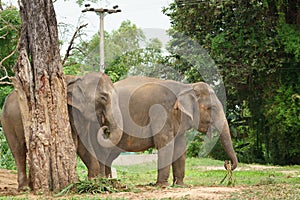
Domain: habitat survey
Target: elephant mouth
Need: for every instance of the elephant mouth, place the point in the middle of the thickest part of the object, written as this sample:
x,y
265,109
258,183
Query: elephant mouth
x,y
102,120
203,130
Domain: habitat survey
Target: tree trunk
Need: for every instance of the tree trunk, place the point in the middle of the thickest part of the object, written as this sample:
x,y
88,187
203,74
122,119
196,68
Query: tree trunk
x,y
42,97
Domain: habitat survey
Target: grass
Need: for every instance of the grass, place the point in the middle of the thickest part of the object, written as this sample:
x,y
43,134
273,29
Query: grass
x,y
198,173
259,182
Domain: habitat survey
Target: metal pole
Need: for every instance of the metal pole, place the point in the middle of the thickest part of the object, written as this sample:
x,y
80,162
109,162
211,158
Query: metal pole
x,y
102,12
102,42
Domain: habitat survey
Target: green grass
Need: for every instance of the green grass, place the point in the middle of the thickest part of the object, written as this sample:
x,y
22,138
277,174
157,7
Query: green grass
x,y
197,175
266,182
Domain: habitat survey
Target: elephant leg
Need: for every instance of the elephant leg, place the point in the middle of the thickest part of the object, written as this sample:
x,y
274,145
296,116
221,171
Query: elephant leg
x,y
20,159
108,172
102,168
18,150
179,156
165,154
108,164
89,160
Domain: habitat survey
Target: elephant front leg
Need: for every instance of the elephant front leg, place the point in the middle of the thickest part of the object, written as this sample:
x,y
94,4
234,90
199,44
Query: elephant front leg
x,y
165,155
108,163
89,160
179,157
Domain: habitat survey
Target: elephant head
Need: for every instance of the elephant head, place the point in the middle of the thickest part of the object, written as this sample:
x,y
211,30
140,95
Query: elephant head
x,y
94,96
212,114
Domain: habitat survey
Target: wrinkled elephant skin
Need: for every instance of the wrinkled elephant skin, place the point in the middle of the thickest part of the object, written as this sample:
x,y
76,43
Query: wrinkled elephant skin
x,y
90,102
157,113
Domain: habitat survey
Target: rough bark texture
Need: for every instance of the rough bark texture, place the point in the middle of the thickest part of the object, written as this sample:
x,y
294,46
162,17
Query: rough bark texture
x,y
42,98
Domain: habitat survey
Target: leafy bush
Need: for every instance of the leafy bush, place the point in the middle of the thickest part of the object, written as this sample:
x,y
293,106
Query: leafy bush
x,y
6,159
4,91
283,113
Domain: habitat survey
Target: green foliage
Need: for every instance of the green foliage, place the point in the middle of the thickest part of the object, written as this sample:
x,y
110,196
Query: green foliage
x,y
193,148
6,159
72,67
95,186
10,26
10,23
290,38
118,68
283,114
4,91
120,46
123,54
253,44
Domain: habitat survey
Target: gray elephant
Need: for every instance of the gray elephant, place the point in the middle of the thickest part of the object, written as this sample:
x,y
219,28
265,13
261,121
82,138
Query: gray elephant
x,y
156,113
90,102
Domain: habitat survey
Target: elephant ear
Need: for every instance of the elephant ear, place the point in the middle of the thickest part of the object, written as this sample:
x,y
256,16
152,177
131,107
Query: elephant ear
x,y
187,103
75,95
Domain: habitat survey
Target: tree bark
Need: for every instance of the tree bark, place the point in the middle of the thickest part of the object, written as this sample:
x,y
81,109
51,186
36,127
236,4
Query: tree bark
x,y
42,97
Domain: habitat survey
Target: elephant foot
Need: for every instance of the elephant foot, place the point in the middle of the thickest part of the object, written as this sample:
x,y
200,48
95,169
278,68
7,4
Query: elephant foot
x,y
24,187
163,184
180,185
179,182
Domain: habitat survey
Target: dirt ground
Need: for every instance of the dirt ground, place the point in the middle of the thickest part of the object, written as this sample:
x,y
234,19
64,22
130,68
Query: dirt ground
x,y
8,186
8,182
179,193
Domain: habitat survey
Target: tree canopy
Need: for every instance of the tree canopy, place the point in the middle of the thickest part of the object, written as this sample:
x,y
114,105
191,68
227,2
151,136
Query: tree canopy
x,y
255,45
10,23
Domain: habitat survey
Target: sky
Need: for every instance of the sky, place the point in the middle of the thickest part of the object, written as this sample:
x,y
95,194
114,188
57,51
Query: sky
x,y
146,14
143,13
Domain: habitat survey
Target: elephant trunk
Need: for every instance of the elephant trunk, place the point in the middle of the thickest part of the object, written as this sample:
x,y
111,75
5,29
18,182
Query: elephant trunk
x,y
109,137
221,125
227,145
110,134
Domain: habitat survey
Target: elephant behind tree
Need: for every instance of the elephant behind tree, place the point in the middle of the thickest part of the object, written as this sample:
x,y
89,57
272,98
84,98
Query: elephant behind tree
x,y
156,113
90,102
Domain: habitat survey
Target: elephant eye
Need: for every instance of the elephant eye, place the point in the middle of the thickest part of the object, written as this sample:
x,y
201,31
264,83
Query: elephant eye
x,y
211,108
103,97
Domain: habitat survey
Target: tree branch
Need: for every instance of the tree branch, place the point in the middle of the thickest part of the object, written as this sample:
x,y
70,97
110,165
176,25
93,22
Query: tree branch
x,y
5,77
10,55
1,65
71,43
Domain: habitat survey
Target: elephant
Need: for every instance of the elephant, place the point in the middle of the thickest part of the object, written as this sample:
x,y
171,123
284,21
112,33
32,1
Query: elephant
x,y
156,114
90,100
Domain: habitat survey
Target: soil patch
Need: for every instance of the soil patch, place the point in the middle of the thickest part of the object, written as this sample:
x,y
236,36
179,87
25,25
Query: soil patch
x,y
178,193
8,182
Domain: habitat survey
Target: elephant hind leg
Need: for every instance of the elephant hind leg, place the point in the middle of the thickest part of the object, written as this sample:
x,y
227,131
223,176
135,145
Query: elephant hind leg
x,y
18,150
23,182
